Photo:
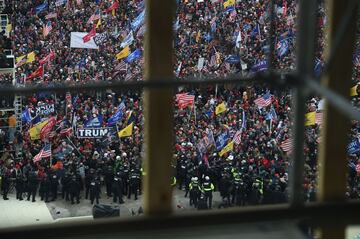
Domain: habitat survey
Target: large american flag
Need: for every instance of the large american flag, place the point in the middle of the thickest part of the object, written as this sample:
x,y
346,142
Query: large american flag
x,y
286,145
319,117
94,17
47,29
237,137
51,15
264,100
44,153
184,100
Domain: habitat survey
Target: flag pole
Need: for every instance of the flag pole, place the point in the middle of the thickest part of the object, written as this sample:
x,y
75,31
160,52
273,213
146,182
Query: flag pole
x,y
194,111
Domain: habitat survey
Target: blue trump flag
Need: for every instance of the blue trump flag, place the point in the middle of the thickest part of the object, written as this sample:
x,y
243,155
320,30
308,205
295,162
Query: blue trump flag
x,y
354,147
95,122
133,56
233,59
25,116
139,20
229,9
260,66
117,116
282,48
318,67
222,140
41,7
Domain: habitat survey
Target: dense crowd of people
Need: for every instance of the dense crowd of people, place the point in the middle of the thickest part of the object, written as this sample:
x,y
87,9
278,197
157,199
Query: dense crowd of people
x,y
242,151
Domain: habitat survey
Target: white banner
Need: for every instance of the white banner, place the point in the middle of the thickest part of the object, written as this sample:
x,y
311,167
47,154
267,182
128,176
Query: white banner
x,y
93,132
76,41
45,109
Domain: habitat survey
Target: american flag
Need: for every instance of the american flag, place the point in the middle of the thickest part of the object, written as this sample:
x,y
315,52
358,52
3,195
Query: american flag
x,y
94,17
44,153
47,29
66,131
319,117
121,67
264,100
184,100
286,145
237,137
51,15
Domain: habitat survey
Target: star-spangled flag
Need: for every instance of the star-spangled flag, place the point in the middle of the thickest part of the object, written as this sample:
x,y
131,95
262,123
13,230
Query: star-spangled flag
x,y
94,17
237,137
287,145
44,153
264,100
184,100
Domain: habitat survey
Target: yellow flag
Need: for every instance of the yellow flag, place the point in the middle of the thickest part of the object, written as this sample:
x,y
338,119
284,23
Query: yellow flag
x,y
8,28
220,108
123,53
229,3
35,130
227,148
19,59
198,37
353,91
113,12
30,57
98,23
127,131
310,118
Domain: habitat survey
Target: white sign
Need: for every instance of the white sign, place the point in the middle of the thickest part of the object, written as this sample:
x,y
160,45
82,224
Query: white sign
x,y
92,132
45,109
201,63
76,41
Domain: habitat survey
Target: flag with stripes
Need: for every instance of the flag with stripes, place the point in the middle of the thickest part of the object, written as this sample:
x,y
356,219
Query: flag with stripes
x,y
44,132
184,100
121,67
264,100
66,131
88,36
318,118
47,58
94,17
237,137
51,15
286,145
47,29
44,153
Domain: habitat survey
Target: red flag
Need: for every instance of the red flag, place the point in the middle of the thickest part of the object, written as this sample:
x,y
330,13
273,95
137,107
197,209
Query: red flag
x,y
88,36
38,73
284,8
114,6
47,58
44,132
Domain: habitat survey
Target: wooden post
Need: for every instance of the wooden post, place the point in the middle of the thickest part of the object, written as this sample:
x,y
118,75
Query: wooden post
x,y
332,156
158,107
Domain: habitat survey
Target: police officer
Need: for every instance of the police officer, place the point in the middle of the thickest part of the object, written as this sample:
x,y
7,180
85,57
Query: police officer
x,y
225,187
32,185
19,186
117,189
5,185
195,191
89,176
109,178
208,188
74,190
65,186
134,183
181,172
44,188
125,178
95,190
54,183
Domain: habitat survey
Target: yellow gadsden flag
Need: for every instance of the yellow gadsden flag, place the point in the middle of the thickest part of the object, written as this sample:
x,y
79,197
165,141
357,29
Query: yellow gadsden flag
x,y
30,57
353,91
229,3
35,130
220,108
229,147
310,118
123,53
98,23
127,131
